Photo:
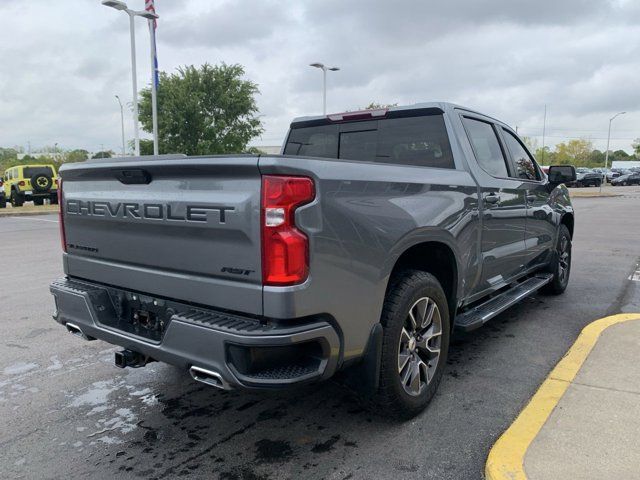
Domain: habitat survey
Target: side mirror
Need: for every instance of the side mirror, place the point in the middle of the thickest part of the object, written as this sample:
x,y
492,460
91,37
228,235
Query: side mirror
x,y
562,174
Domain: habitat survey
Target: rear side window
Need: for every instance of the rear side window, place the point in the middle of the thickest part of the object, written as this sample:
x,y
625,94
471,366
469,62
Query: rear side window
x,y
486,147
525,166
29,172
420,141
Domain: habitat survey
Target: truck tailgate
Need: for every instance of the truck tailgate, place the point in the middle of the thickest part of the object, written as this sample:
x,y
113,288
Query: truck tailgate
x,y
185,228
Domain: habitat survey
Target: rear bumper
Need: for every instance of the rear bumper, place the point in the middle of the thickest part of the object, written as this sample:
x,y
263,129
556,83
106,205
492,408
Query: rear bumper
x,y
245,352
34,194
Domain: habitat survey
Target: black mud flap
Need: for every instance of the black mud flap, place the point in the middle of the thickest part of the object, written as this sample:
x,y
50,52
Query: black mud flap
x,y
364,377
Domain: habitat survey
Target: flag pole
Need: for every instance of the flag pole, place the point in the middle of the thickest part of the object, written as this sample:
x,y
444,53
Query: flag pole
x,y
154,85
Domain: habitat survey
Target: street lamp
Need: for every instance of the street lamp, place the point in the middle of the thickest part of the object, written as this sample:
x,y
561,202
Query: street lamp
x,y
121,122
606,154
119,5
324,82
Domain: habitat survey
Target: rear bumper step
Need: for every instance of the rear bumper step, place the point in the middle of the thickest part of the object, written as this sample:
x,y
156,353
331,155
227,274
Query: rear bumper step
x,y
219,349
481,314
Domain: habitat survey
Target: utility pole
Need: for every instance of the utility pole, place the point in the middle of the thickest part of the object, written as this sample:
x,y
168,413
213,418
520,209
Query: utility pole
x,y
544,131
606,154
121,122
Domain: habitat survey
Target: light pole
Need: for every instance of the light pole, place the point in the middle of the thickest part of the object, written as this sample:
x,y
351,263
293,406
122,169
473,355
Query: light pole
x,y
606,154
119,5
324,82
121,122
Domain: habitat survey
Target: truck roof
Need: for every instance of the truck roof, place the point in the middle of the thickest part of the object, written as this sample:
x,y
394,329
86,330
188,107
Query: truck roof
x,y
442,106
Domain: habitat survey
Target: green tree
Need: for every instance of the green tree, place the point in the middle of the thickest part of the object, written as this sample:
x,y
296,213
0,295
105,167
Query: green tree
x,y
545,156
378,106
8,154
531,143
573,152
78,155
203,111
618,155
636,147
596,158
105,154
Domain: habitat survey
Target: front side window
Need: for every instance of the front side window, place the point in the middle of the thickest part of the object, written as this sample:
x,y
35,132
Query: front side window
x,y
525,166
486,147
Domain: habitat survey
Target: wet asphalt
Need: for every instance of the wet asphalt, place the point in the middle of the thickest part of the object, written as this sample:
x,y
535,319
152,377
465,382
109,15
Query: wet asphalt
x,y
67,412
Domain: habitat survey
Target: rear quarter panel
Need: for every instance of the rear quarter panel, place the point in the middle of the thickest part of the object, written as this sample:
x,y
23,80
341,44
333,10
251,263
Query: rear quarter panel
x,y
364,216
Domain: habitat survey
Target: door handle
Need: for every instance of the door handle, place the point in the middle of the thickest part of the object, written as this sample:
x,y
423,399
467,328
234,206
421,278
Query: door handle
x,y
492,198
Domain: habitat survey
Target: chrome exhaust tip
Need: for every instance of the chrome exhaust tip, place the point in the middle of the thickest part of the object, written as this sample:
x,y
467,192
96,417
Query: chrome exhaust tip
x,y
73,329
208,377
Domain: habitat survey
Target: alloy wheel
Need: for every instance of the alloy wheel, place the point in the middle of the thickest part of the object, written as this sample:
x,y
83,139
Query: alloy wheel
x,y
419,346
563,259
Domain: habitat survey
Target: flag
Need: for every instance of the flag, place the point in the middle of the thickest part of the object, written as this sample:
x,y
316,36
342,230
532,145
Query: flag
x,y
150,7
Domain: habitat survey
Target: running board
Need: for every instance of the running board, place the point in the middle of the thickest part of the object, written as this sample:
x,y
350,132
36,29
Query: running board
x,y
478,316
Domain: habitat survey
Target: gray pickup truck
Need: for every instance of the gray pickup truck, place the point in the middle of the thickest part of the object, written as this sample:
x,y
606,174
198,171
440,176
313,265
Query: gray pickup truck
x,y
359,249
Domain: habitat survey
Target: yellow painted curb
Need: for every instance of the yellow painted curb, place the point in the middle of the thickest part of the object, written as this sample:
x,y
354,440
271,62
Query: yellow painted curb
x,y
506,458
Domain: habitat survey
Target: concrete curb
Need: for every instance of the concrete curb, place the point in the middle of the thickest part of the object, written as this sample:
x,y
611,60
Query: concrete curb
x,y
592,195
506,458
27,213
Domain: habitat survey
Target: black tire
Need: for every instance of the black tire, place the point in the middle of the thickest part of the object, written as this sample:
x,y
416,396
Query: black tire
x,y
17,200
3,202
561,266
38,201
406,291
41,182
54,200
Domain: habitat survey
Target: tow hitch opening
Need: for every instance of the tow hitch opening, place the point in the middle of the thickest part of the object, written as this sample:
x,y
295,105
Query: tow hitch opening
x,y
129,358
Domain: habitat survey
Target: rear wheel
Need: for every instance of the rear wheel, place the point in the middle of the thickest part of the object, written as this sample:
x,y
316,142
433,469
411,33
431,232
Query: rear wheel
x,y
415,343
54,200
3,202
38,201
17,200
562,263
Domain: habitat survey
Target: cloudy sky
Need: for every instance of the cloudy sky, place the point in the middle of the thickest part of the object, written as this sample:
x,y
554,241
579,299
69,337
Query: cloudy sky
x,y
63,61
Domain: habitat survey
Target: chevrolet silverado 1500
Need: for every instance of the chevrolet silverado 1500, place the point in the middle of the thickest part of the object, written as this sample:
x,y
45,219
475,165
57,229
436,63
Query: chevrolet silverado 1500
x,y
360,248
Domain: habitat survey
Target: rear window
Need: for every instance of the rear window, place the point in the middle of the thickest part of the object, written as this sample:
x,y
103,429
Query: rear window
x,y
420,141
29,172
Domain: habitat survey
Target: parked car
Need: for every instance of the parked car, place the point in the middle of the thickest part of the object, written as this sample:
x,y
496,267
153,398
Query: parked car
x,y
615,173
628,179
26,183
358,249
3,198
587,178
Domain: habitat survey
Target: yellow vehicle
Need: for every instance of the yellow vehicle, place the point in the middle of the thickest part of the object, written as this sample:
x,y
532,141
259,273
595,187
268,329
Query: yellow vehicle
x,y
26,183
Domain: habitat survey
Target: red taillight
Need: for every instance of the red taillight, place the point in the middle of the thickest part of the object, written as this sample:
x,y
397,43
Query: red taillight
x,y
285,249
21,183
63,236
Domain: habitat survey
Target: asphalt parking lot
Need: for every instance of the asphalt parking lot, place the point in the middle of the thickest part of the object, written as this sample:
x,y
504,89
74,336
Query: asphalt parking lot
x,y
67,412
